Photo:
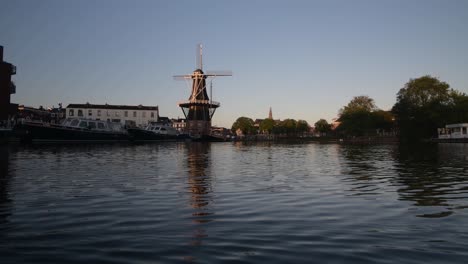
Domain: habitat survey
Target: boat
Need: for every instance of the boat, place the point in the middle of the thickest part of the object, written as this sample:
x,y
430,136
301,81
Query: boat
x,y
72,129
155,131
207,138
5,133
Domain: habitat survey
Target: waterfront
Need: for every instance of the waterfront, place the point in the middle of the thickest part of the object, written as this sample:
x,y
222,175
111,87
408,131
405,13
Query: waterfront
x,y
233,202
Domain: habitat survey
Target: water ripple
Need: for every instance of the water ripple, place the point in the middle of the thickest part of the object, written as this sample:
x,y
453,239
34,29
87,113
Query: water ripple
x,y
233,202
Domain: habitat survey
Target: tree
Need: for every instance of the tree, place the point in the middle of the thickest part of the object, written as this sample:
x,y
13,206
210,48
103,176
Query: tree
x,y
356,118
289,126
302,126
322,127
422,106
459,109
383,120
267,125
245,124
362,103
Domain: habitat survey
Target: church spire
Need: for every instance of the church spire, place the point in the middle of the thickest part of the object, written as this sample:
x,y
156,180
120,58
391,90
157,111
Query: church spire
x,y
270,114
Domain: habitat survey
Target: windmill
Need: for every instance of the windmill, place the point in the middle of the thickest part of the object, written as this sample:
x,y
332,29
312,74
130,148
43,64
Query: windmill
x,y
199,108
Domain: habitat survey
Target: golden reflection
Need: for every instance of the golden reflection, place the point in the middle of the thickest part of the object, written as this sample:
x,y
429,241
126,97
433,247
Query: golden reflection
x,y
198,181
199,186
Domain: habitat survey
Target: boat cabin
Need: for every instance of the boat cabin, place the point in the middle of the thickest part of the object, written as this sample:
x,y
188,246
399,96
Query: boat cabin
x,y
453,131
158,128
91,124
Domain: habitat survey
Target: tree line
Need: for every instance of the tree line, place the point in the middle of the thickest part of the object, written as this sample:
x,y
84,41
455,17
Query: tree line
x,y
287,127
422,105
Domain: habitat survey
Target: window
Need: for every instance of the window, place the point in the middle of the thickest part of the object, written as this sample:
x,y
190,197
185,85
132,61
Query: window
x,y
74,122
98,112
90,112
83,124
126,113
71,112
80,112
100,126
117,114
144,114
134,114
152,114
464,130
91,125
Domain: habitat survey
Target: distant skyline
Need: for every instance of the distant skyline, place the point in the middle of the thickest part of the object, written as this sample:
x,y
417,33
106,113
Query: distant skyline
x,y
304,59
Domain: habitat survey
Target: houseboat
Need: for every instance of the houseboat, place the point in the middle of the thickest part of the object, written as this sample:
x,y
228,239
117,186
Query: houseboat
x,y
453,133
72,129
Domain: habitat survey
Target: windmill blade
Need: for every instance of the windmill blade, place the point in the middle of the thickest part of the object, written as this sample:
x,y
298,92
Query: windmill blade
x,y
199,56
182,77
219,73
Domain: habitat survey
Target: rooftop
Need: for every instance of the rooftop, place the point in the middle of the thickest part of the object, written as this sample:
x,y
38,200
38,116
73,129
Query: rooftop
x,y
108,106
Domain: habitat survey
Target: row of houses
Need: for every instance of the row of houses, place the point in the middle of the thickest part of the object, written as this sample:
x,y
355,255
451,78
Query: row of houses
x,y
127,115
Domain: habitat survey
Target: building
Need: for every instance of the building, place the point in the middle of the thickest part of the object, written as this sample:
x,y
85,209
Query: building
x,y
7,88
179,124
126,114
52,115
259,121
453,131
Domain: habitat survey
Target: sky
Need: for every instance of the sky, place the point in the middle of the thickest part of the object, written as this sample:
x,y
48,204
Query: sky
x,y
304,59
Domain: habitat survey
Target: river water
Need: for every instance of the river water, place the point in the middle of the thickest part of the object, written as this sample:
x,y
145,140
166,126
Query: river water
x,y
234,203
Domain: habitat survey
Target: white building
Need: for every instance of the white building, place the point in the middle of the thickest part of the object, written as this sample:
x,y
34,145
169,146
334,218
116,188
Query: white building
x,y
179,124
126,114
454,131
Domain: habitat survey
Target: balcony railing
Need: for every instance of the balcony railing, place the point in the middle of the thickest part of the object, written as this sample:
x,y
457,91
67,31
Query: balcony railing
x,y
12,69
200,102
12,88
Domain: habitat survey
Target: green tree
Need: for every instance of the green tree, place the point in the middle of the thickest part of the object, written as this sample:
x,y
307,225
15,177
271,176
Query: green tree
x,y
322,127
289,126
267,125
383,120
459,109
302,127
356,118
422,106
362,103
245,124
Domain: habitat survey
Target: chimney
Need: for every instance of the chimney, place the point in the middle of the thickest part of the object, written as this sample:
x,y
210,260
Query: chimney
x,y
1,53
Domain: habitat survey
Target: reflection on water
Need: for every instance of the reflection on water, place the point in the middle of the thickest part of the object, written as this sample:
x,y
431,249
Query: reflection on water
x,y
234,202
5,178
199,184
434,175
431,175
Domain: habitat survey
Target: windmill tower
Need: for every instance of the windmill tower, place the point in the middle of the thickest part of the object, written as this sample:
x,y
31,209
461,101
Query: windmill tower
x,y
199,108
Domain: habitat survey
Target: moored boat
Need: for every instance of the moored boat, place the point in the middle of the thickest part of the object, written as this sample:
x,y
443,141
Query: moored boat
x,y
5,134
155,131
72,129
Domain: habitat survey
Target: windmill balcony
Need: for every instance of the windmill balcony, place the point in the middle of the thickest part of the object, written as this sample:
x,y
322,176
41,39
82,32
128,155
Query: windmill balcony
x,y
199,102
12,88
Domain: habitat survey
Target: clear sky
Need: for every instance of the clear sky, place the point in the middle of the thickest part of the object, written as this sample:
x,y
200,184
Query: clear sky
x,y
305,59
